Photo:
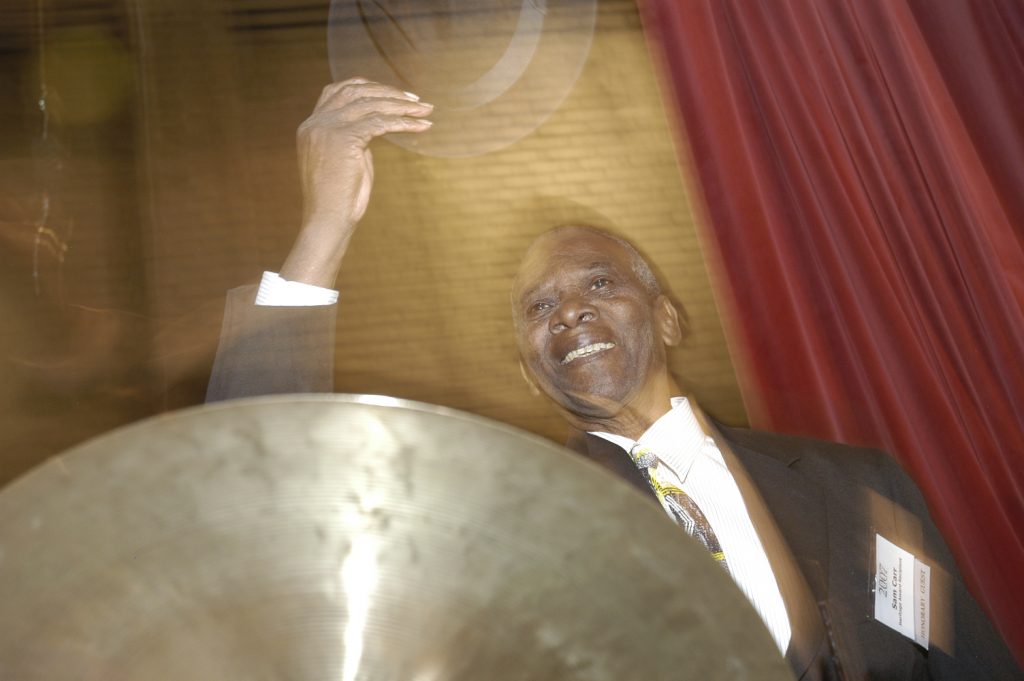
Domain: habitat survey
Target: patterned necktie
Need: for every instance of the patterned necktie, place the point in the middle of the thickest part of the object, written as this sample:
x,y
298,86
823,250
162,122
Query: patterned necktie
x,y
680,506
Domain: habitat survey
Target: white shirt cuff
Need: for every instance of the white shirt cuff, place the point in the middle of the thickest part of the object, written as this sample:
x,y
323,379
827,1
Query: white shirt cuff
x,y
275,291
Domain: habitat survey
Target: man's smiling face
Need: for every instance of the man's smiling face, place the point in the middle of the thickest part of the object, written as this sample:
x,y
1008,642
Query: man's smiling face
x,y
591,334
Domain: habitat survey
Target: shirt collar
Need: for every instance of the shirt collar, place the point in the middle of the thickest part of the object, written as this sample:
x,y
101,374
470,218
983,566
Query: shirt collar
x,y
676,438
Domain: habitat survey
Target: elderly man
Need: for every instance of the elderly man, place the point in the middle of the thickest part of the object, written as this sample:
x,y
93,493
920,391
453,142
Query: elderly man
x,y
797,523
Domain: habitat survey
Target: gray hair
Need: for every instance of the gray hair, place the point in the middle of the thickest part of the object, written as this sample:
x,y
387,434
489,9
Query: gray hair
x,y
638,264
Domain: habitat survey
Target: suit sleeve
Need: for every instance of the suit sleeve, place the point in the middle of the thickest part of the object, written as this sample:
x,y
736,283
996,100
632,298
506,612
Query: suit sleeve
x,y
269,350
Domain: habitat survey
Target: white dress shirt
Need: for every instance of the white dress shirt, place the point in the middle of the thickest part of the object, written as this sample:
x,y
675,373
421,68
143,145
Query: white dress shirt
x,y
691,461
276,291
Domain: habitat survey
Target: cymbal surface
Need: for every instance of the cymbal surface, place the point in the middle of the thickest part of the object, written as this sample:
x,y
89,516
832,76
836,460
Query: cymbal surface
x,y
353,537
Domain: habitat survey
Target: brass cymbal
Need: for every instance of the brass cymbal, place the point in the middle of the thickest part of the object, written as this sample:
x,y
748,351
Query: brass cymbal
x,y
353,537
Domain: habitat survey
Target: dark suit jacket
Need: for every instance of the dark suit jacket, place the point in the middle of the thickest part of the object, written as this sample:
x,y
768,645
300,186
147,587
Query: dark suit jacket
x,y
827,501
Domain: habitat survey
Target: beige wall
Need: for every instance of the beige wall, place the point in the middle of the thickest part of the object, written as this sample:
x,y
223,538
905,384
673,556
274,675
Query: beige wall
x,y
424,312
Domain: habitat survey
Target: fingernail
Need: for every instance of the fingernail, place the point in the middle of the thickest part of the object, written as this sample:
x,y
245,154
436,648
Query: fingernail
x,y
412,96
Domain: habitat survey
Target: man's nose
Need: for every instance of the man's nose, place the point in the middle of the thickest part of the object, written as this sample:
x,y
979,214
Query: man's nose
x,y
571,312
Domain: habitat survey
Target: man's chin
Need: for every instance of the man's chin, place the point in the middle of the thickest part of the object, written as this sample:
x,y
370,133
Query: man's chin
x,y
585,407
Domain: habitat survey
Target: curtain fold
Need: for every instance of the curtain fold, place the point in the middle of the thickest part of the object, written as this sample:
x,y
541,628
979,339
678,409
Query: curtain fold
x,y
862,165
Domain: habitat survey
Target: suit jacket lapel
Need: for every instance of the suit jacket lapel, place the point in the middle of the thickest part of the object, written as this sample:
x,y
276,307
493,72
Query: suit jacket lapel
x,y
610,457
797,506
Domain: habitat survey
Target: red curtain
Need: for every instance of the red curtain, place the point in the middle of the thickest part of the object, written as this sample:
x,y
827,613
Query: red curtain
x,y
862,164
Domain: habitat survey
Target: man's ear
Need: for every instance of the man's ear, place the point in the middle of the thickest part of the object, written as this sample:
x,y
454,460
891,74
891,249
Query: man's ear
x,y
528,377
670,324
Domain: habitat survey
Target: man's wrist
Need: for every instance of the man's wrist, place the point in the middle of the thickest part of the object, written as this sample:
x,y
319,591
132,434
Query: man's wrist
x,y
316,256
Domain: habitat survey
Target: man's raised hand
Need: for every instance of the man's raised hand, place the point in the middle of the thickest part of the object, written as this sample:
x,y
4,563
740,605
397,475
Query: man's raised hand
x,y
336,169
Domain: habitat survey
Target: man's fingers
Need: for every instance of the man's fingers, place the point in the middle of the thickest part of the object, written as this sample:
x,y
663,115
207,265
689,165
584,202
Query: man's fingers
x,y
338,95
332,89
355,111
366,127
381,124
354,91
367,111
369,106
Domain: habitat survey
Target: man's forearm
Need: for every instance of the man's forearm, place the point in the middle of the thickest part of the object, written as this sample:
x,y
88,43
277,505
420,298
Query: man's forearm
x,y
316,257
278,345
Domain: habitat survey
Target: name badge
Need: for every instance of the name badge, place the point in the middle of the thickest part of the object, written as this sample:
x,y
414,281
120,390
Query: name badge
x,y
902,584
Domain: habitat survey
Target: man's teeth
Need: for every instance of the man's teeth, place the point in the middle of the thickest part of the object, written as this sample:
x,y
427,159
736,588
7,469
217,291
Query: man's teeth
x,y
587,350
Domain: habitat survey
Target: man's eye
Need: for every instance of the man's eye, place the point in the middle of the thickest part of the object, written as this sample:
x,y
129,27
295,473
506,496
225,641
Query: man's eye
x,y
537,308
600,282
